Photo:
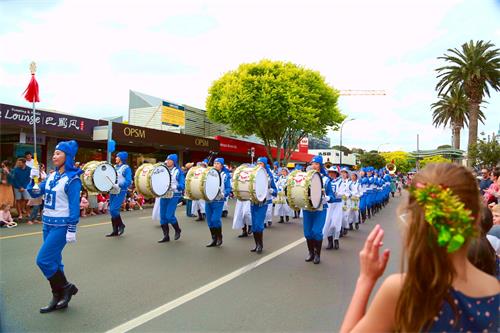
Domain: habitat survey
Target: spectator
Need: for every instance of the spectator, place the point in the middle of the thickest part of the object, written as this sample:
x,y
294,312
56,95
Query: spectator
x,y
5,217
102,203
485,181
29,159
93,206
440,290
6,189
139,199
21,178
493,192
84,204
36,205
483,250
495,230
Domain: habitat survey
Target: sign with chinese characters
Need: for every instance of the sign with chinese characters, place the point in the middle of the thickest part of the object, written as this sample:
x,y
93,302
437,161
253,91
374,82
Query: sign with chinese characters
x,y
46,121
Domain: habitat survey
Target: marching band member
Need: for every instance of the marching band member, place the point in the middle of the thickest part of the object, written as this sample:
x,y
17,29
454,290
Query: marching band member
x,y
314,220
119,192
355,189
169,204
214,208
333,222
345,194
61,214
281,208
243,218
259,210
198,206
370,193
363,181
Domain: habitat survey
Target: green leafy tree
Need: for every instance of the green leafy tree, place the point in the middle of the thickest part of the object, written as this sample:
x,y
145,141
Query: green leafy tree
x,y
486,153
279,102
372,159
404,161
433,159
452,110
476,69
343,149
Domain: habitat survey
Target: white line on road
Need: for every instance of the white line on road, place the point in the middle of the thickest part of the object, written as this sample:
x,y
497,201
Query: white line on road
x,y
145,217
148,316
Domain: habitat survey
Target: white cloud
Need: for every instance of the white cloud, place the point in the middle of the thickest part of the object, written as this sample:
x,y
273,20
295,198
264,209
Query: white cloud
x,y
91,53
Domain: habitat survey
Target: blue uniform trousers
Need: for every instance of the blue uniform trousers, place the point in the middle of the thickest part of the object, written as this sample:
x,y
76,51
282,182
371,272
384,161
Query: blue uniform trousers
x,y
314,221
258,216
189,205
213,210
167,210
115,203
49,257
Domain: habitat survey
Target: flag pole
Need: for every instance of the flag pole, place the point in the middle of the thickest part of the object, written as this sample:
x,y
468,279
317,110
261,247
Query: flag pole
x,y
31,94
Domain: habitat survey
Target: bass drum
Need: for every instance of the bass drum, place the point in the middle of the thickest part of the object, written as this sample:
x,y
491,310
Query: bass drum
x,y
304,190
250,183
203,183
98,176
152,180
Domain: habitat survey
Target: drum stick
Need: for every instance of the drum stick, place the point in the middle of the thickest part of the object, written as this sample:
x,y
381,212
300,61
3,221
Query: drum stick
x,y
112,183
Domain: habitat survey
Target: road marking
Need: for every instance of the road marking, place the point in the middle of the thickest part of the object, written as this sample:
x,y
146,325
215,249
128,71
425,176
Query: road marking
x,y
40,232
145,217
162,309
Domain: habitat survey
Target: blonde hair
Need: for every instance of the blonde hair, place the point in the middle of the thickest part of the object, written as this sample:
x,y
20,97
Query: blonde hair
x,y
429,270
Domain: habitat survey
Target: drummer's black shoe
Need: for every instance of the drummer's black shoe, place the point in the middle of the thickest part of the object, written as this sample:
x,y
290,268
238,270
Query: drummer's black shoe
x,y
336,245
310,248
177,231
244,232
249,230
214,238
218,234
350,226
224,213
287,218
200,216
67,292
121,226
345,232
282,219
114,223
57,283
317,251
356,226
330,243
258,242
166,237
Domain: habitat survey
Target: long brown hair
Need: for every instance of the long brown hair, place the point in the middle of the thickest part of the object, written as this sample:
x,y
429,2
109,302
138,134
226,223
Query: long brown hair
x,y
429,269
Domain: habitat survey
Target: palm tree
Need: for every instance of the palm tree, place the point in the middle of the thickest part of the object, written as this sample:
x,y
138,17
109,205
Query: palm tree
x,y
476,69
452,109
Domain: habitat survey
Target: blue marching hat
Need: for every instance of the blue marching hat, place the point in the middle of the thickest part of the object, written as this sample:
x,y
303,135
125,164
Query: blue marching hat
x,y
70,148
262,160
219,160
123,155
174,158
317,159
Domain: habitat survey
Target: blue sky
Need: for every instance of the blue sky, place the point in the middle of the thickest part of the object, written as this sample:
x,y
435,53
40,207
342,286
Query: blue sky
x,y
89,54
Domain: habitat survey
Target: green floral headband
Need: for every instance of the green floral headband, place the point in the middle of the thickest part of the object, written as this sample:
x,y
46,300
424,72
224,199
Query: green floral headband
x,y
446,213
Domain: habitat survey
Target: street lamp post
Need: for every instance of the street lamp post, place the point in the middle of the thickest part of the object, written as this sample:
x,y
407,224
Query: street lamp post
x,y
341,126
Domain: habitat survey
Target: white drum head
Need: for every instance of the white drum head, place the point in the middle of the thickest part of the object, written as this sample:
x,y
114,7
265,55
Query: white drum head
x,y
104,177
261,184
212,184
160,180
316,190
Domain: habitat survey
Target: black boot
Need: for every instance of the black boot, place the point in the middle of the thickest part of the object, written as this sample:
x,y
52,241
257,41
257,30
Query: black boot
x,y
336,245
166,237
57,282
287,218
260,247
218,234
200,216
177,231
244,232
214,238
282,220
345,232
249,230
258,242
269,223
120,226
356,225
350,226
310,247
68,291
224,213
330,243
317,251
114,224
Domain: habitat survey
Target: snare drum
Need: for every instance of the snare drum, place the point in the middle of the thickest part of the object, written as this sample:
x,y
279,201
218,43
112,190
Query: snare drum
x,y
304,190
250,183
152,180
203,183
98,176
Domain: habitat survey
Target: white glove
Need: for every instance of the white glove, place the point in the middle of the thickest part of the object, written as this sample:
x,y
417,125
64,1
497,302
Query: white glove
x,y
34,173
327,198
271,191
70,237
115,189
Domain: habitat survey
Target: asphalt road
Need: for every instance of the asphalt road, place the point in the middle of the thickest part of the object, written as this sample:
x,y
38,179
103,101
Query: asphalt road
x,y
121,279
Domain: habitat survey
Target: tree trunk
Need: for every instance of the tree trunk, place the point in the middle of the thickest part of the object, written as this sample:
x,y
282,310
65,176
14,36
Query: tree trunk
x,y
456,136
473,124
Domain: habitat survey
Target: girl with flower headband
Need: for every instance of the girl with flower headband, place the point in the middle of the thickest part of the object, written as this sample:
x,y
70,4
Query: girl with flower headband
x,y
440,289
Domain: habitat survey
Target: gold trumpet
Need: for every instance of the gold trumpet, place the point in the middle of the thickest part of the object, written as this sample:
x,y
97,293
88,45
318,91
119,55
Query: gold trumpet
x,y
391,167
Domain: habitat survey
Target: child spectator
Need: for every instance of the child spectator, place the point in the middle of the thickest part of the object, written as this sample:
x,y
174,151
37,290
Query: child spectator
x,y
5,217
84,204
102,203
139,199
